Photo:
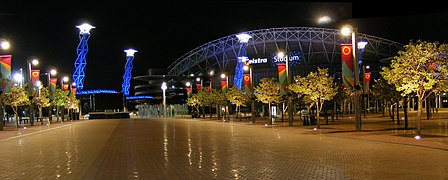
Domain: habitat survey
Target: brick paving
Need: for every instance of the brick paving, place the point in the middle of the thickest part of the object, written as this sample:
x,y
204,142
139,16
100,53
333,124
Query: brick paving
x,y
212,149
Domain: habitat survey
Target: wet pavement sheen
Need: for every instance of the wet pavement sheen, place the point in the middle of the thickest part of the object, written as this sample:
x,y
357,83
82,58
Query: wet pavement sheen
x,y
195,149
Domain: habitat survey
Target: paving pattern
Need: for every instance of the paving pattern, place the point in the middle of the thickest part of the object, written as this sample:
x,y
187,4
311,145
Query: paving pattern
x,y
198,149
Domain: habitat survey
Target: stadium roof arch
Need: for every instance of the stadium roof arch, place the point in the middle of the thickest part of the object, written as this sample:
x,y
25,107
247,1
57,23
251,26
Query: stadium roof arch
x,y
317,47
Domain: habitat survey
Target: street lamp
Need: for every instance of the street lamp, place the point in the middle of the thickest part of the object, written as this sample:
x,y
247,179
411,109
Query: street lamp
x,y
19,79
32,61
4,44
50,92
346,31
164,87
281,55
252,99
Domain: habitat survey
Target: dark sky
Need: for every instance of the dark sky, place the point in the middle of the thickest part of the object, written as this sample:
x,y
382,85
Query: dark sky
x,y
166,30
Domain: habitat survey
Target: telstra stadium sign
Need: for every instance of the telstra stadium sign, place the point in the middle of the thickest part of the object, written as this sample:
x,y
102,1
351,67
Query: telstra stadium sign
x,y
294,59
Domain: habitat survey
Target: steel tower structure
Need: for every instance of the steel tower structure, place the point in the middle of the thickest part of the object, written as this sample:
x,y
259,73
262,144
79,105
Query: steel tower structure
x,y
127,71
238,79
81,51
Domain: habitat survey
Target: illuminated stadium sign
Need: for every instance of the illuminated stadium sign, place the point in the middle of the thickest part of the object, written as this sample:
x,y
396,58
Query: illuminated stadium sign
x,y
294,58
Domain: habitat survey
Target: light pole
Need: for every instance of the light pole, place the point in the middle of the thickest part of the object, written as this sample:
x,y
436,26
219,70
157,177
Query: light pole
x,y
251,95
281,55
225,89
50,92
31,62
361,46
346,31
4,45
164,87
63,79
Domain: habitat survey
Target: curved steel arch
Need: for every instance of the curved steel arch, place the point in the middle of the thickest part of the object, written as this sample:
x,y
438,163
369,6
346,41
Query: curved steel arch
x,y
318,45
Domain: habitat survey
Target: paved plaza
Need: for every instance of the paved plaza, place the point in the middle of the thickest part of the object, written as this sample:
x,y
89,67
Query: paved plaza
x,y
185,148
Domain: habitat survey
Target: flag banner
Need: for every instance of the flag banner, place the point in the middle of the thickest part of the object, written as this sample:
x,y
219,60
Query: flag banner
x,y
367,82
35,74
199,88
208,89
5,80
64,87
224,86
282,77
189,92
347,65
247,87
74,91
53,82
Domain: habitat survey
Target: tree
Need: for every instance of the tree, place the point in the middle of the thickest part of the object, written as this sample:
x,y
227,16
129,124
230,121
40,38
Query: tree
x,y
16,97
195,103
42,100
60,100
418,69
317,86
72,104
237,97
268,92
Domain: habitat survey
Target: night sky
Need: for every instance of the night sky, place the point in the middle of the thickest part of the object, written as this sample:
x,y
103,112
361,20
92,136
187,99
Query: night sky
x,y
165,31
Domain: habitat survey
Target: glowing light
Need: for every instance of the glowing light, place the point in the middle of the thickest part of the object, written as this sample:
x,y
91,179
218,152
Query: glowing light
x,y
35,62
246,68
53,72
324,20
417,137
65,79
5,45
223,76
265,124
346,30
164,86
130,52
362,44
281,54
243,37
24,127
314,129
18,77
85,28
188,84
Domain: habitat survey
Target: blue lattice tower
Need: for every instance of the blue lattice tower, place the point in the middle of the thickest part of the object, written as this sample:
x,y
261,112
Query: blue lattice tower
x,y
238,79
127,71
81,51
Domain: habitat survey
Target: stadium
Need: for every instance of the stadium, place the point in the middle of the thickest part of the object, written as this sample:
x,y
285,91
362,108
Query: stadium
x,y
306,47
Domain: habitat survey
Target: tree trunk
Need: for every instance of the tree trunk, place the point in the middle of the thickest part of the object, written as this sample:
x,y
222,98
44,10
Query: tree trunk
x,y
398,114
392,113
419,115
270,114
428,108
405,112
57,114
17,116
40,115
62,113
317,114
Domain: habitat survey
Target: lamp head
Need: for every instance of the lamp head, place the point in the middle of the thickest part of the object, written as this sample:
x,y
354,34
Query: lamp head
x,y
346,30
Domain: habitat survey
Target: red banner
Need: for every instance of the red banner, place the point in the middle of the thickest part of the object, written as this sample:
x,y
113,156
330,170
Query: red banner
x,y
34,77
74,90
224,86
5,71
247,86
188,92
347,65
199,88
282,77
65,87
367,82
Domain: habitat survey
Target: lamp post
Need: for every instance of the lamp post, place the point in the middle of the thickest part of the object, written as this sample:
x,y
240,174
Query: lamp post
x,y
164,87
4,45
50,92
252,99
226,77
63,79
31,62
281,55
346,31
